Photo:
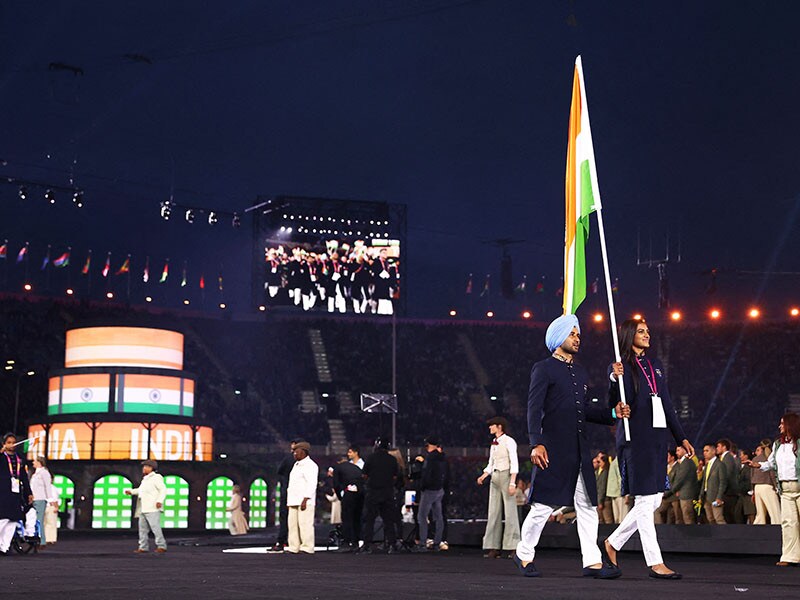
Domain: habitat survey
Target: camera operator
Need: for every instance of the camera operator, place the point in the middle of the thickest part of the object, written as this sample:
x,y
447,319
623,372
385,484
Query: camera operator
x,y
348,484
432,491
381,472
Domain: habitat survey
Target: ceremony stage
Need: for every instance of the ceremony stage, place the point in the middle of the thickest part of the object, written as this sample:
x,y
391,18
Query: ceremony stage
x,y
91,566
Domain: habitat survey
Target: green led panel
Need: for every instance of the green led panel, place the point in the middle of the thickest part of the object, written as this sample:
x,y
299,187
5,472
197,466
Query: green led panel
x,y
218,495
258,503
111,508
66,491
176,506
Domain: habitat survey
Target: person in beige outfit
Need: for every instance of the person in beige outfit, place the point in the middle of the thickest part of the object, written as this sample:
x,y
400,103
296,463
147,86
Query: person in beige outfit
x,y
237,523
502,469
301,498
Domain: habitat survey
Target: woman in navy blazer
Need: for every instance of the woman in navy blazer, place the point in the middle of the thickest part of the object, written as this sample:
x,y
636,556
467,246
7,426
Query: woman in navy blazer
x,y
643,463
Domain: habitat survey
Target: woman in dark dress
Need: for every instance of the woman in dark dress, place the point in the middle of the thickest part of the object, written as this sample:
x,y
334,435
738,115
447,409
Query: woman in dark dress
x,y
642,460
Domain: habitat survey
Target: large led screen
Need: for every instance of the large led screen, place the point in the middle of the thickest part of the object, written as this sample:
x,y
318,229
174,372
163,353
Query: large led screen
x,y
120,441
334,275
124,347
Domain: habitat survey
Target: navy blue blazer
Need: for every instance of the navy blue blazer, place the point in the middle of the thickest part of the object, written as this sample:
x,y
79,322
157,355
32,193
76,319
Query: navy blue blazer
x,y
558,410
643,460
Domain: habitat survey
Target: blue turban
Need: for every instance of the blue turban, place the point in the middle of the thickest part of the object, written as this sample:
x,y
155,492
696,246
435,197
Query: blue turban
x,y
558,331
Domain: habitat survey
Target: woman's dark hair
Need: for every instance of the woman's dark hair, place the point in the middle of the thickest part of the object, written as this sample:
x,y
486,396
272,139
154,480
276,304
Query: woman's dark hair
x,y
791,425
627,331
9,435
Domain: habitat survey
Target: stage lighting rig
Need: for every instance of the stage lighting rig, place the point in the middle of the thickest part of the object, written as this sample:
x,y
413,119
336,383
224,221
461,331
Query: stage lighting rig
x,y
192,213
212,218
26,186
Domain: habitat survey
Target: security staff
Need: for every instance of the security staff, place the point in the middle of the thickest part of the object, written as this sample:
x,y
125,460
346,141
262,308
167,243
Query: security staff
x,y
380,472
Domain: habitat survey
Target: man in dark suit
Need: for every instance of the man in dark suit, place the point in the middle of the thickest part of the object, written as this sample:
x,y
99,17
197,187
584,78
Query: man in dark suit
x,y
731,462
348,484
604,510
381,472
714,485
669,511
685,485
562,475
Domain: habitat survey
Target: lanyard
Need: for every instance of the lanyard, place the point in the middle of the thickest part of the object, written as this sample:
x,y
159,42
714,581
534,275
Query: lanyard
x,y
651,384
10,468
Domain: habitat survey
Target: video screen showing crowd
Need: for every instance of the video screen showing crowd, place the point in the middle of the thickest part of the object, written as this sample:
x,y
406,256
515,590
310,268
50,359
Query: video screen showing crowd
x,y
362,277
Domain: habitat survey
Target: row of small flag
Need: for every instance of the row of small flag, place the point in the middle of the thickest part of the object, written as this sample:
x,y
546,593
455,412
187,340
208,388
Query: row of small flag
x,y
540,287
63,261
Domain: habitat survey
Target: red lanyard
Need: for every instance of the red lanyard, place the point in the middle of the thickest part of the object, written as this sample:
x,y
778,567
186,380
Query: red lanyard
x,y
651,384
11,468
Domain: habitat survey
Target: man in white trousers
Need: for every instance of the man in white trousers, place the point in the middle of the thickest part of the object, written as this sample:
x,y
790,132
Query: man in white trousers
x,y
300,498
558,410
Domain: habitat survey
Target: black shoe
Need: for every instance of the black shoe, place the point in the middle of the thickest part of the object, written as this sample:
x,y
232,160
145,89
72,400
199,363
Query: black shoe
x,y
528,570
673,575
276,548
607,571
606,558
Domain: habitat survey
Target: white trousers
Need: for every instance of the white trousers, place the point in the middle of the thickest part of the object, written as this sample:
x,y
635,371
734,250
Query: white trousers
x,y
641,518
7,529
301,529
587,527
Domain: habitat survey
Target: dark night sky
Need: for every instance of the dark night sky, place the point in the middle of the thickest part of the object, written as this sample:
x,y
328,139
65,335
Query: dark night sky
x,y
457,109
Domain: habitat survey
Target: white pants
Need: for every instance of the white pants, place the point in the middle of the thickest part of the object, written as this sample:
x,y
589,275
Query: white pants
x,y
641,518
587,527
301,529
7,529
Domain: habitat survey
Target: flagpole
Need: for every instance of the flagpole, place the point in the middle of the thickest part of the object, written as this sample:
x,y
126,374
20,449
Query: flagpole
x,y
611,313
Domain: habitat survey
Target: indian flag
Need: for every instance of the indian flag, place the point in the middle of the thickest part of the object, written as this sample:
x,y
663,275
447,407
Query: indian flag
x,y
582,194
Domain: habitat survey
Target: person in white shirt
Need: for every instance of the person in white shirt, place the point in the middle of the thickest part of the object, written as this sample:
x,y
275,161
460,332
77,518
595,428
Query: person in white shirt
x,y
785,460
301,499
502,468
354,456
152,492
42,488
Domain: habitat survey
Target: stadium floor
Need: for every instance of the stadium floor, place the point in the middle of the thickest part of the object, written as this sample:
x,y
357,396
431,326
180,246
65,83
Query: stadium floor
x,y
105,567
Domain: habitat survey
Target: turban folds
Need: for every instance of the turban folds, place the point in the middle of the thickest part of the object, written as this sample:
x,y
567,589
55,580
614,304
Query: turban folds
x,y
558,331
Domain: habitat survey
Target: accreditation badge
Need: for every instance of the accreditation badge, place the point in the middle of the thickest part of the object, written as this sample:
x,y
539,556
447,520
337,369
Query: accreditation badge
x,y
14,485
659,418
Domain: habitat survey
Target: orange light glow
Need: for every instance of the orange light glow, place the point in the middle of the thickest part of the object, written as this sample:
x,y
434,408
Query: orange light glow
x,y
676,315
715,314
490,313
27,287
637,317
598,318
754,313
453,313
526,314
794,312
